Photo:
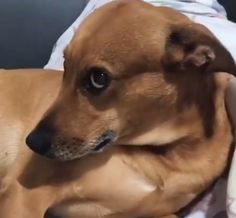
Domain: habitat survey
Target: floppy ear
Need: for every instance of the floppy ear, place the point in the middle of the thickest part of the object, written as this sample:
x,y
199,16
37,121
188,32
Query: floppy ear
x,y
193,47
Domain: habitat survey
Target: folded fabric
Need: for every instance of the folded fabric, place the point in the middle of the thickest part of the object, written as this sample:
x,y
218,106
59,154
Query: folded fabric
x,y
231,190
198,7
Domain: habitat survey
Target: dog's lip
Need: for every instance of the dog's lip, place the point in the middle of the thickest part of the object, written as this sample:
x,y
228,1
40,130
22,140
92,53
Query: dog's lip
x,y
104,141
95,146
102,145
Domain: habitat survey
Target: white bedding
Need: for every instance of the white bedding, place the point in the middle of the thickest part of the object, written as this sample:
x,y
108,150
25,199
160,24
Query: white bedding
x,y
221,202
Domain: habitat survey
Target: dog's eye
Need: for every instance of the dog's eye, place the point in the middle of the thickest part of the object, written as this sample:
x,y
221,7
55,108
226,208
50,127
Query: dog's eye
x,y
97,80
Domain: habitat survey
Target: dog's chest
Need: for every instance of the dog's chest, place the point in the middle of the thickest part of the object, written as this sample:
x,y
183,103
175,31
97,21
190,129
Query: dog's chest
x,y
114,187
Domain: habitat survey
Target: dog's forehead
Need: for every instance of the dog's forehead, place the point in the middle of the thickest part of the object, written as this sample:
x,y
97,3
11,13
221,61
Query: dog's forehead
x,y
120,35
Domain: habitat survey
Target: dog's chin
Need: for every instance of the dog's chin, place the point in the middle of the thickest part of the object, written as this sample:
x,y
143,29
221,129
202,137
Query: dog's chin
x,y
95,146
63,156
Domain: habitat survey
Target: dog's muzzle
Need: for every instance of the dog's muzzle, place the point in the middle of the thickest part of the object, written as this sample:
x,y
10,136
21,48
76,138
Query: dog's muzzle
x,y
65,149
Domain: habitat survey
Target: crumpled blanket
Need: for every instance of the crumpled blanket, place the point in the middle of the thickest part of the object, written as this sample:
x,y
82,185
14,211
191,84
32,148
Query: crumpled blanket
x,y
221,201
231,190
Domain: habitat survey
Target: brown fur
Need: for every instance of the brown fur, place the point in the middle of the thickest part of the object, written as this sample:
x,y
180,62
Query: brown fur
x,y
164,103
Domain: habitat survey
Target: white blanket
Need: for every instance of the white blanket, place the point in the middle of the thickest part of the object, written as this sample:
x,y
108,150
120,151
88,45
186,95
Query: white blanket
x,y
221,202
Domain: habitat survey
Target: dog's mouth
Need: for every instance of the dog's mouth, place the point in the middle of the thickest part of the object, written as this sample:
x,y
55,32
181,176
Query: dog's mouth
x,y
68,153
104,141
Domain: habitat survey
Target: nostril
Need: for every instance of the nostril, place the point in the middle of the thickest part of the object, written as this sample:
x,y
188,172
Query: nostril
x,y
39,142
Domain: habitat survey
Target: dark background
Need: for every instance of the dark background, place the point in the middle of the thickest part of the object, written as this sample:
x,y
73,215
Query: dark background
x,y
29,28
230,6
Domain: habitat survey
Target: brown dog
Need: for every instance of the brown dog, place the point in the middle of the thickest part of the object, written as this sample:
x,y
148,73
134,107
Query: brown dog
x,y
141,81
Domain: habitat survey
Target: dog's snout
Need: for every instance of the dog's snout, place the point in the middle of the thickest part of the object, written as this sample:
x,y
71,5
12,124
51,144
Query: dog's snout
x,y
39,141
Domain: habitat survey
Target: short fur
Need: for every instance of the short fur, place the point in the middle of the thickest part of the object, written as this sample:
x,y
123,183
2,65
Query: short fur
x,y
165,104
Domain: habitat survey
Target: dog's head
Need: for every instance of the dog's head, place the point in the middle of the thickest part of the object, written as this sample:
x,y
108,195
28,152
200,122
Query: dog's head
x,y
135,75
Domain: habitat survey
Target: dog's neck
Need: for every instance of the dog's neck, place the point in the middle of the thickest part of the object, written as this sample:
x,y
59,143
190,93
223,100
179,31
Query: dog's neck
x,y
206,115
187,124
182,142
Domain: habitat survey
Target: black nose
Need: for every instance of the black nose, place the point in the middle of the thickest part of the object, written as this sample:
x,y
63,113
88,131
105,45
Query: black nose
x,y
39,142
